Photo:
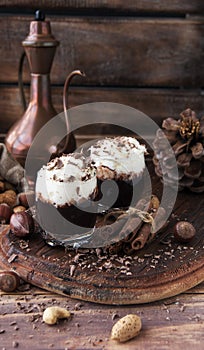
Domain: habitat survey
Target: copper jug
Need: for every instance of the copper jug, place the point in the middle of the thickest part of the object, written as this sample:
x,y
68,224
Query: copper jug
x,y
40,46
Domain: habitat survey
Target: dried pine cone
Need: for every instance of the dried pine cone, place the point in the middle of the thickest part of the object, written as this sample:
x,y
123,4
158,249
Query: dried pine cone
x,y
186,137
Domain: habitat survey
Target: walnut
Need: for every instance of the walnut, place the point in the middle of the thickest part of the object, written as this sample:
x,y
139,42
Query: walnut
x,y
9,197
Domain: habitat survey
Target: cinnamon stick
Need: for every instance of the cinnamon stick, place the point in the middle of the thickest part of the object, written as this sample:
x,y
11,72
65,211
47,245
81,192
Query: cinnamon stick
x,y
146,229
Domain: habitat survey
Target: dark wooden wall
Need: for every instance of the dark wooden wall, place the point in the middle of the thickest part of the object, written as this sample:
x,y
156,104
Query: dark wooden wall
x,y
146,54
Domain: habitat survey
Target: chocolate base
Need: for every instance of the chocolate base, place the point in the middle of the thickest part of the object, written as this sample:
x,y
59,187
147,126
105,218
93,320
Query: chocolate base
x,y
58,221
130,192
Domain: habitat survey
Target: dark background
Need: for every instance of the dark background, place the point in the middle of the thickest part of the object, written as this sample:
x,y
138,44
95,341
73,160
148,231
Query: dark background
x,y
146,54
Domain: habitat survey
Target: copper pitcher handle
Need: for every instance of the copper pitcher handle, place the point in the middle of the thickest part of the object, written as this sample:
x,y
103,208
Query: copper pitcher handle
x,y
65,100
20,81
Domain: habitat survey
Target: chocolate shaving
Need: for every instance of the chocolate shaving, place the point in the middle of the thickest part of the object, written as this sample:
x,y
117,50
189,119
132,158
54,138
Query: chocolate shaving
x,y
71,178
51,164
12,258
59,164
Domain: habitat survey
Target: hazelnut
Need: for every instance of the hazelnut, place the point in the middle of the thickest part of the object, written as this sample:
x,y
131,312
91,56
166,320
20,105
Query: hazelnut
x,y
19,208
5,213
21,224
184,231
9,281
26,199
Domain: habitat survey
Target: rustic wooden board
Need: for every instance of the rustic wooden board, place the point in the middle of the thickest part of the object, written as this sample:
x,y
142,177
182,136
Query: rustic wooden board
x,y
177,321
156,103
162,269
114,50
130,6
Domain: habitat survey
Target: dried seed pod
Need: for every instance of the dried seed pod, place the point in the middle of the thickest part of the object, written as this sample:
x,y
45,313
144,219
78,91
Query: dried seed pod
x,y
170,124
53,313
160,143
174,174
202,126
194,170
201,178
179,147
5,213
186,136
197,187
184,231
172,136
197,150
21,224
126,328
184,159
186,181
169,162
9,281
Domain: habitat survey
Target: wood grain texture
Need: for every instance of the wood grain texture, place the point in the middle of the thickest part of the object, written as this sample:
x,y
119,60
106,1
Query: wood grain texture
x,y
156,103
159,270
178,321
50,269
114,51
173,6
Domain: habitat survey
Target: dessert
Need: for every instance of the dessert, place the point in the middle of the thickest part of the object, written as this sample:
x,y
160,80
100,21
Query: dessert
x,y
120,159
65,190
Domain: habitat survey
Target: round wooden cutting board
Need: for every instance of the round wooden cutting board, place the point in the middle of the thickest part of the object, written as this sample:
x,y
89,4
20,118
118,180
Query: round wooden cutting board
x,y
162,269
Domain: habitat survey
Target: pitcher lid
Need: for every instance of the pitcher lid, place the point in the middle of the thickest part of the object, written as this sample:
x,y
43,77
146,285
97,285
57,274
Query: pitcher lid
x,y
40,34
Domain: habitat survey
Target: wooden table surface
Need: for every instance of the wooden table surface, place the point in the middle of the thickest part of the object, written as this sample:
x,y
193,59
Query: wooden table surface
x,y
173,323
